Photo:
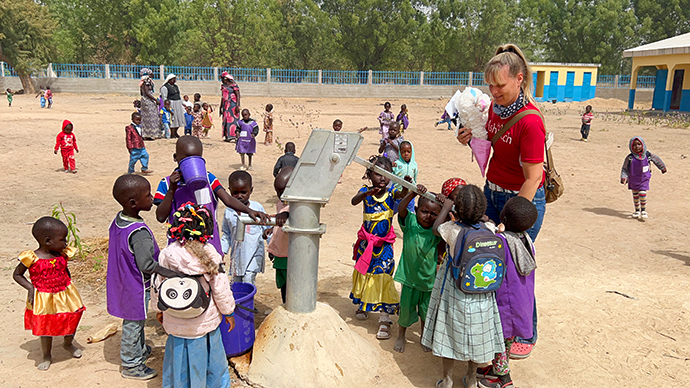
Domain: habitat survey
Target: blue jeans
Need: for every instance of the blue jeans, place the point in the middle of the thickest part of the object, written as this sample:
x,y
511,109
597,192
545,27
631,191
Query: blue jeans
x,y
133,343
166,130
138,154
495,201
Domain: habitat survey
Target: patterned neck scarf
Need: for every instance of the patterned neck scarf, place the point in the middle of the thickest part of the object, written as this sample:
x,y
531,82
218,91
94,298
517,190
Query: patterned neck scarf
x,y
506,111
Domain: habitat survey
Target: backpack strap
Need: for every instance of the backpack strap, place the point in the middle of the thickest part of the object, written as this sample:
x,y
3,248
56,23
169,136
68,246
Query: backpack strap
x,y
513,120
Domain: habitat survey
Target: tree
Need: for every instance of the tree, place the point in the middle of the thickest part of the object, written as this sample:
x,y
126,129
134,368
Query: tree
x,y
662,19
25,38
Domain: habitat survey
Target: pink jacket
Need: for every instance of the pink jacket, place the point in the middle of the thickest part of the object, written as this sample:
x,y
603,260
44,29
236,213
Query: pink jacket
x,y
177,258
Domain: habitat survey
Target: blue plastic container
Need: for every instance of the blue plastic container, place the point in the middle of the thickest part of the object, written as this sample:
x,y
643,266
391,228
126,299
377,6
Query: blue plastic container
x,y
241,339
193,170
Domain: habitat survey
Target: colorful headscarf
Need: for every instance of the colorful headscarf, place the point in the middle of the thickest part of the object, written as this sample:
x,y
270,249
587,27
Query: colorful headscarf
x,y
450,185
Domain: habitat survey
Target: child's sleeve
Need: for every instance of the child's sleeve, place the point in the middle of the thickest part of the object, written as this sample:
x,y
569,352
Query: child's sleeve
x,y
58,140
161,191
74,141
141,242
624,169
28,258
229,226
657,161
220,285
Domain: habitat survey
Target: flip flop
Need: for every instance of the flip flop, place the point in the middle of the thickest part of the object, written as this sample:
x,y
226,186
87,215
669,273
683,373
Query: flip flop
x,y
384,331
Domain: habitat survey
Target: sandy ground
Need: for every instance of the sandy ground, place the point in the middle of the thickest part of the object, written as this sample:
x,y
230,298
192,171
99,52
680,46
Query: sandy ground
x,y
588,246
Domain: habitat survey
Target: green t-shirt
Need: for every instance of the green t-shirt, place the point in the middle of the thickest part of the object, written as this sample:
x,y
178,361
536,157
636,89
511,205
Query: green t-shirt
x,y
417,267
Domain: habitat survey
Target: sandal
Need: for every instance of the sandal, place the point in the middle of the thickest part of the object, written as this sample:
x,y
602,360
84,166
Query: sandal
x,y
384,331
486,372
361,315
495,383
520,351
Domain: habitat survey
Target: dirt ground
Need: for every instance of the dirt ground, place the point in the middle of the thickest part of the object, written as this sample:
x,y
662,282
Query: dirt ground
x,y
588,246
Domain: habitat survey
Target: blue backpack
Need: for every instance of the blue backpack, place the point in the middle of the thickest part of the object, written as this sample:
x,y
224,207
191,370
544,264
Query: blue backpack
x,y
478,264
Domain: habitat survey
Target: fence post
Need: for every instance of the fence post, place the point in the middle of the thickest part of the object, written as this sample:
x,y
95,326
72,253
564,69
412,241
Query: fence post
x,y
162,71
615,81
370,77
268,75
215,74
469,80
320,74
421,78
107,71
2,69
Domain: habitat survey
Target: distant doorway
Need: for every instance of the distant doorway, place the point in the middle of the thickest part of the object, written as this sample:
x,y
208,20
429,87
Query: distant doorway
x,y
677,91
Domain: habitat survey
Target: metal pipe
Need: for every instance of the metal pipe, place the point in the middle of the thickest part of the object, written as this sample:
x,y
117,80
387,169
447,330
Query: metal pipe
x,y
394,178
246,220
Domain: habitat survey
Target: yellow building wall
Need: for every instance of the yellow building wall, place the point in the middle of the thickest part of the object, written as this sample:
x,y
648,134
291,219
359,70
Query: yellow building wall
x,y
671,62
563,73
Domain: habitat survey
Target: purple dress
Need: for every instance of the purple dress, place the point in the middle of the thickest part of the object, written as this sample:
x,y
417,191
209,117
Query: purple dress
x,y
515,299
639,174
125,282
246,143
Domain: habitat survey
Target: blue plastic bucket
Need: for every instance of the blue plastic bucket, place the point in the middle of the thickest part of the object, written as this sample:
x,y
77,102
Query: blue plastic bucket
x,y
193,170
241,339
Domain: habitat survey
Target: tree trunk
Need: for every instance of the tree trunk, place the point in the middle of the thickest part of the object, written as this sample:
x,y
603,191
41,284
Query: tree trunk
x,y
27,83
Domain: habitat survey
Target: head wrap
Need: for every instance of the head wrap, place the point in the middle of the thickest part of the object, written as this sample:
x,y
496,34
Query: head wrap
x,y
169,77
450,185
145,71
227,75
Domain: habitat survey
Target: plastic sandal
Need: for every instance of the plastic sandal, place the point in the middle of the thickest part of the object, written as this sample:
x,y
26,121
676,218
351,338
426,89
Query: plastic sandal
x,y
520,351
384,331
361,315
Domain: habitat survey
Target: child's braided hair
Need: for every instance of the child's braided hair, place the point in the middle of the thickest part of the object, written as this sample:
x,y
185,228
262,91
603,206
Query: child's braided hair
x,y
470,204
192,226
380,161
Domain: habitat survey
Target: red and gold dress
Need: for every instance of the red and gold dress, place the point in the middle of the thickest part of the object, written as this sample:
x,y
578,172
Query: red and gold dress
x,y
57,307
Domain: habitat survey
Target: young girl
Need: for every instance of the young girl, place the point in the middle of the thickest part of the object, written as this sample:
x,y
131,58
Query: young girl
x,y
636,172
207,121
460,326
373,288
406,166
9,96
390,146
198,115
66,142
268,125
385,119
586,121
194,352
53,307
49,97
246,142
403,118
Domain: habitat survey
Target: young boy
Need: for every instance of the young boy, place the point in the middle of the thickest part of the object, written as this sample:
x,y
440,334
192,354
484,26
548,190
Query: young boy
x,y
278,246
390,146
172,191
337,125
132,259
417,268
66,142
166,118
249,256
288,159
135,146
186,102
637,172
268,124
515,297
188,120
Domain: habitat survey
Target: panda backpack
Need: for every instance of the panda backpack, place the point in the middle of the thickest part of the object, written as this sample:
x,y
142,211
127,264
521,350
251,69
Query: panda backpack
x,y
184,296
478,265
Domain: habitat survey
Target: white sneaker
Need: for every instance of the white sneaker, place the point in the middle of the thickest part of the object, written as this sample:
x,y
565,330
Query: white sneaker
x,y
643,216
635,215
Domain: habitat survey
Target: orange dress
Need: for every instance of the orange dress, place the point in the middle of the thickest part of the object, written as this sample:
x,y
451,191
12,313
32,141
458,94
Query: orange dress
x,y
57,307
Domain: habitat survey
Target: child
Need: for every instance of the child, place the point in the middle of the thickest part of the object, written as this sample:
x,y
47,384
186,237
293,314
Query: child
x,y
406,166
460,326
385,120
207,121
373,288
132,259
172,192
390,146
188,119
53,306
515,297
403,118
135,146
198,115
49,97
194,352
9,96
286,160
445,118
337,125
278,246
247,256
42,94
586,121
268,125
197,99
637,173
166,118
66,142
417,267
246,142
186,102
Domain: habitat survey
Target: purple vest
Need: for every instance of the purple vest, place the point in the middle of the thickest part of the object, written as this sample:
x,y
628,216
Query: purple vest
x,y
125,283
515,300
639,173
204,196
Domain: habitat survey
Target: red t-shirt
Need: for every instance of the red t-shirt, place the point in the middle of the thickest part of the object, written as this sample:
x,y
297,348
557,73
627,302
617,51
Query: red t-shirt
x,y
523,143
